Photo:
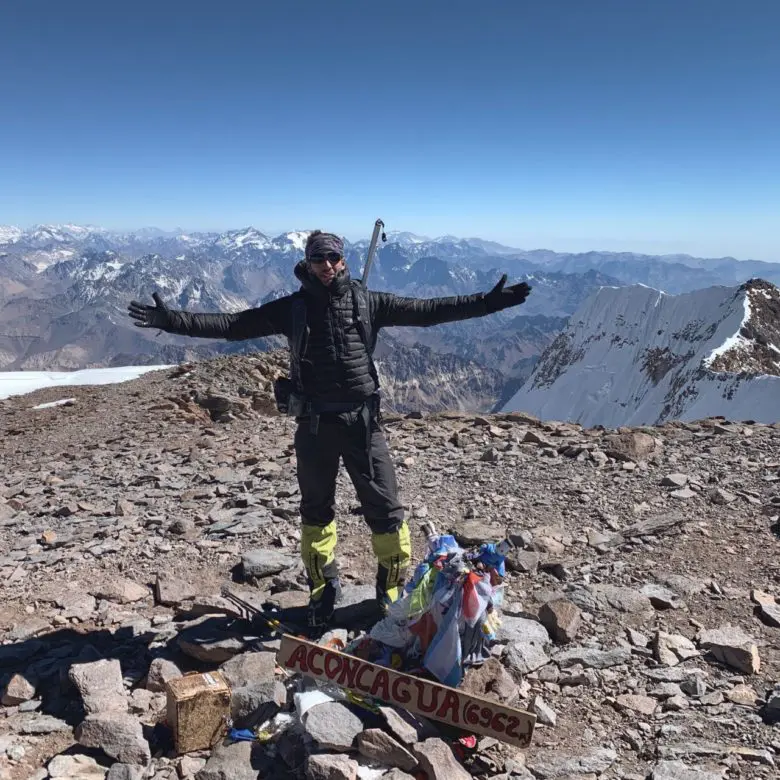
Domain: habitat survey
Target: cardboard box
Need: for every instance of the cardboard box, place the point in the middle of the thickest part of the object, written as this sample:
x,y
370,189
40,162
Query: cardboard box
x,y
198,710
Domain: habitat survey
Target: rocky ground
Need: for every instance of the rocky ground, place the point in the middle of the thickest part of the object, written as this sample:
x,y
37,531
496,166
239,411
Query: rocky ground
x,y
640,623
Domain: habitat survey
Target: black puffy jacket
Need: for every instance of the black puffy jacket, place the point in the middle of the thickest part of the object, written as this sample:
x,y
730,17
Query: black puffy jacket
x,y
337,366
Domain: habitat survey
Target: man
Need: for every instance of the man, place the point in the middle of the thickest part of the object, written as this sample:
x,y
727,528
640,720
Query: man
x,y
331,324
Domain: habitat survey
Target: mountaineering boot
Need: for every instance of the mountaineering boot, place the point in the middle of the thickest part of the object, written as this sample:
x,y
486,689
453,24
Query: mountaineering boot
x,y
318,545
320,611
393,552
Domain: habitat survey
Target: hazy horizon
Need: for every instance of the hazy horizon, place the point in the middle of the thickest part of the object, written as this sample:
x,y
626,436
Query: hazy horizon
x,y
631,249
619,126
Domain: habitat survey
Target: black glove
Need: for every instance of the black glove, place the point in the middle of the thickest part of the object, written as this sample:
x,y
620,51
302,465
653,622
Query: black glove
x,y
501,297
145,316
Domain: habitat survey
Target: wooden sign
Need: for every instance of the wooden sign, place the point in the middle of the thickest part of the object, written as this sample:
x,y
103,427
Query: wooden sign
x,y
432,700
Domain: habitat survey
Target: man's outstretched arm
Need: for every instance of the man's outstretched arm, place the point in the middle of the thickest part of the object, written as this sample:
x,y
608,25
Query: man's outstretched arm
x,y
267,320
394,310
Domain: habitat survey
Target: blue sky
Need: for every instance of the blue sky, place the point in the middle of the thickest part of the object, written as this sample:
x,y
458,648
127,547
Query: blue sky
x,y
573,125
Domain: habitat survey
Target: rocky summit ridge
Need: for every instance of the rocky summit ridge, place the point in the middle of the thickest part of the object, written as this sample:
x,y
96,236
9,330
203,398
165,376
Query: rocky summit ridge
x,y
640,621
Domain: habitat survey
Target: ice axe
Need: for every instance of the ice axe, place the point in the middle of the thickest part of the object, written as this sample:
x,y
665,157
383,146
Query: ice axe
x,y
378,228
250,612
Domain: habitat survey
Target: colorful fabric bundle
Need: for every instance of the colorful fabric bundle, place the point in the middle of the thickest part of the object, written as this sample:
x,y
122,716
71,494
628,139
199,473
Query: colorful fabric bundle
x,y
447,615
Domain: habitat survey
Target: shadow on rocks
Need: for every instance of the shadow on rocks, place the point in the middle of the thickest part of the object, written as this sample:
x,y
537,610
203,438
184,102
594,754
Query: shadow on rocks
x,y
46,660
202,645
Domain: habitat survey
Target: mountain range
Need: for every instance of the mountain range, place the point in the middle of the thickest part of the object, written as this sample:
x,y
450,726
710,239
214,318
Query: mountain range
x,y
64,291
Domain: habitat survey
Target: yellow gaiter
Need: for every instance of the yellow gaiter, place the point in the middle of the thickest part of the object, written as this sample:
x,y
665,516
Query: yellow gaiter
x,y
318,550
393,552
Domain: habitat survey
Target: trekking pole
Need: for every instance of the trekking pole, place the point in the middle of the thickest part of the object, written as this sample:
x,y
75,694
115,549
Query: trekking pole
x,y
378,227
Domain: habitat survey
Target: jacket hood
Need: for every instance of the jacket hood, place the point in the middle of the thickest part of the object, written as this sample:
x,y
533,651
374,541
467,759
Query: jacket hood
x,y
314,286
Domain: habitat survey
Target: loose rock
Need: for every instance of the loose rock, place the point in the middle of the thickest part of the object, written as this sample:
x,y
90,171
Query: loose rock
x,y
125,772
119,736
249,669
644,705
121,590
630,446
212,642
408,727
18,690
325,767
732,647
544,712
172,591
490,680
230,762
264,563
562,619
768,609
562,766
100,685
161,671
42,724
677,770
77,767
333,726
661,597
671,649
190,766
721,496
743,695
376,745
523,561
438,762
608,598
528,643
592,658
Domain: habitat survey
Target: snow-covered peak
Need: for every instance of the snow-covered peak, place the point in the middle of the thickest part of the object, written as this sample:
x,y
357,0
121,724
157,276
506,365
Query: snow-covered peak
x,y
292,242
240,239
10,234
634,356
405,238
60,234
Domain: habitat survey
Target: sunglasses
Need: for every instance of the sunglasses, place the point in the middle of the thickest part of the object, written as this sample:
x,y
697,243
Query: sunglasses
x,y
329,257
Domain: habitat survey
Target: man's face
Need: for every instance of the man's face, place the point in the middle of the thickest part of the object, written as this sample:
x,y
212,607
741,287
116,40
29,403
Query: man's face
x,y
326,267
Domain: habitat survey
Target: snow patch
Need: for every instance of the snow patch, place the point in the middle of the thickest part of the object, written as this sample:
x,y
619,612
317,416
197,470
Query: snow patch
x,y
298,239
21,382
52,404
734,341
43,260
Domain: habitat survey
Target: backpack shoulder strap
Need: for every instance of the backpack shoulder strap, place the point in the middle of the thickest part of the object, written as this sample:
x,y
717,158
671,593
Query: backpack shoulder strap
x,y
362,314
297,339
